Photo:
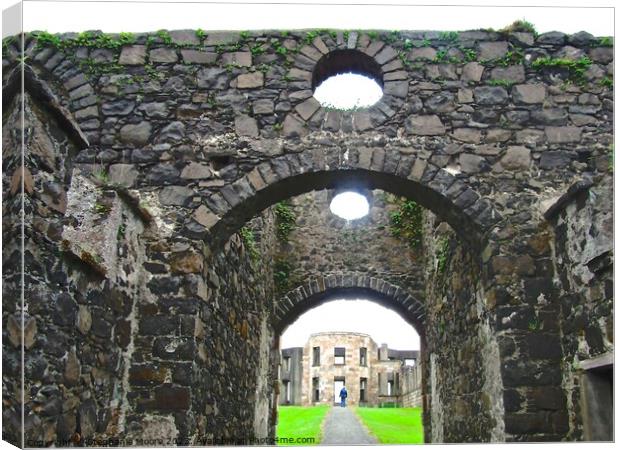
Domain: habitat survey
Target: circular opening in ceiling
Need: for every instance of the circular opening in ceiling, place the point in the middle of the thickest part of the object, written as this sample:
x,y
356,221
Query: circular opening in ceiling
x,y
347,80
349,205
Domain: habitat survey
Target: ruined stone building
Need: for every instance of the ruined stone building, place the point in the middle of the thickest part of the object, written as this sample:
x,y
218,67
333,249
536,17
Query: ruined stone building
x,y
166,218
373,375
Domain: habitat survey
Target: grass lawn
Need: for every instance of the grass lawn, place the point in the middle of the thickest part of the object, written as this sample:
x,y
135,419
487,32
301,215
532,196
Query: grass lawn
x,y
394,425
300,422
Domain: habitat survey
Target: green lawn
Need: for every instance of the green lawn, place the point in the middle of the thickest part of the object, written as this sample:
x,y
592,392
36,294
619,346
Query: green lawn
x,y
300,422
394,425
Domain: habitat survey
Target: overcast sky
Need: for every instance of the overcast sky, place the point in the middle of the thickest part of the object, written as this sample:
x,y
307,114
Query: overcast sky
x,y
567,16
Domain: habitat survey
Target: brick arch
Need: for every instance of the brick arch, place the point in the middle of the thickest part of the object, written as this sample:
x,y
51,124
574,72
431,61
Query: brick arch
x,y
347,285
436,189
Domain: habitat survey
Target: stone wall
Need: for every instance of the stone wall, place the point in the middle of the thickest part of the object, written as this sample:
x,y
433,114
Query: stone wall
x,y
583,258
186,136
465,404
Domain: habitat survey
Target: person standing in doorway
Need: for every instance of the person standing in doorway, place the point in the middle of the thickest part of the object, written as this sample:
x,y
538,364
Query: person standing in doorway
x,y
343,397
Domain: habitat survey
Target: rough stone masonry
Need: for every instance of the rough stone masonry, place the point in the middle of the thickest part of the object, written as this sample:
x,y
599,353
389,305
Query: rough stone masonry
x,y
153,289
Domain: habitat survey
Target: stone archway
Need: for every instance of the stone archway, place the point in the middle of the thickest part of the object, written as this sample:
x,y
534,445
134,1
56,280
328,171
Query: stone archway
x,y
349,285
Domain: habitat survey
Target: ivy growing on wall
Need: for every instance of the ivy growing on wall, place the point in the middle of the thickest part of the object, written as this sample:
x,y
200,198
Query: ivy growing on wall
x,y
285,220
281,274
406,223
441,253
250,243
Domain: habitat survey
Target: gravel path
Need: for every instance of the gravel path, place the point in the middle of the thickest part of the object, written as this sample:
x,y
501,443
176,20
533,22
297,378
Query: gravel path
x,y
344,428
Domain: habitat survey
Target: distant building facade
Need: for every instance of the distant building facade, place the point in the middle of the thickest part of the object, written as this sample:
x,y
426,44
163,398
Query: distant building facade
x,y
372,374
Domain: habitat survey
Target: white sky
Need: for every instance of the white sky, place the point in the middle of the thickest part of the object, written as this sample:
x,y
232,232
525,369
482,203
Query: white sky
x,y
349,205
111,16
362,316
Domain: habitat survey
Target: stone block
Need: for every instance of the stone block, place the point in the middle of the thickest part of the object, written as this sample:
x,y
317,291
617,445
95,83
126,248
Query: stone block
x,y
250,80
562,135
180,37
492,50
469,135
133,55
243,59
205,217
307,108
246,126
198,56
293,127
528,93
425,126
175,195
136,134
163,55
472,163
472,71
428,53
514,74
490,95
516,158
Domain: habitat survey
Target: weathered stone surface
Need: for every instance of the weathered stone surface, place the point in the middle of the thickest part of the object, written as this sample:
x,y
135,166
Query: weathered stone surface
x,y
72,369
175,195
163,55
84,319
242,59
554,159
293,127
156,110
205,217
133,55
516,158
250,80
470,135
490,95
472,71
492,50
472,163
560,135
528,93
136,134
263,106
428,53
196,171
425,126
308,108
513,74
198,56
246,126
212,78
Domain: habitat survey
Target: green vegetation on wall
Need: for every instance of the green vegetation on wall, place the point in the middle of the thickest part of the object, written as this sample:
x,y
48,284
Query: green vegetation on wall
x,y
285,220
406,223
250,243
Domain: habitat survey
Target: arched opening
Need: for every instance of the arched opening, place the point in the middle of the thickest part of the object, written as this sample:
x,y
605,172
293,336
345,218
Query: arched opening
x,y
362,345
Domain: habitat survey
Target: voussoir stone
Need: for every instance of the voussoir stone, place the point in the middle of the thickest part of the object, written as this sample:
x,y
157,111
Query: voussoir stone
x,y
425,125
133,55
136,134
528,93
516,158
205,217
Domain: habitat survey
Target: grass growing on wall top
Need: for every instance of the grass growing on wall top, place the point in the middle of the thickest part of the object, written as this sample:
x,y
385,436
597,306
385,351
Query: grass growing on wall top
x,y
393,425
301,422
